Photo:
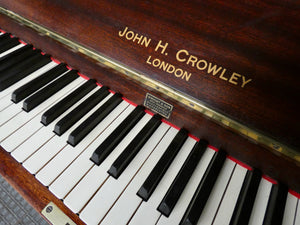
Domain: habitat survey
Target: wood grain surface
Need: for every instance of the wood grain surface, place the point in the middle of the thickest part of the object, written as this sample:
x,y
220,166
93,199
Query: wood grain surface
x,y
257,39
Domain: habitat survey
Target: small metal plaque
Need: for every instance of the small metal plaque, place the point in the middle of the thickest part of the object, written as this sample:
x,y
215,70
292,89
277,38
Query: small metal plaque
x,y
157,105
55,216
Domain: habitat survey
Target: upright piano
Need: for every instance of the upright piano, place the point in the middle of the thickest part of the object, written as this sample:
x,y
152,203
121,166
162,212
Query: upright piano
x,y
152,112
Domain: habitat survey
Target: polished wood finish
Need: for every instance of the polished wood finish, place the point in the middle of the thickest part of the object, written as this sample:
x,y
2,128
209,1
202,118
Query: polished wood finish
x,y
241,42
259,40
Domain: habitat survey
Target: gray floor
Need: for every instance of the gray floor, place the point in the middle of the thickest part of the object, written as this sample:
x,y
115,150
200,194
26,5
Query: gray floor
x,y
14,210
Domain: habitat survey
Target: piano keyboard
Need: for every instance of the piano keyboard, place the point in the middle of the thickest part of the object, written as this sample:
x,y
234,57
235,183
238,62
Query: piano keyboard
x,y
112,162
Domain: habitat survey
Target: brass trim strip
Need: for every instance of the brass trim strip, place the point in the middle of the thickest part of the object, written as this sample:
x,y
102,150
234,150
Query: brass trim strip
x,y
164,89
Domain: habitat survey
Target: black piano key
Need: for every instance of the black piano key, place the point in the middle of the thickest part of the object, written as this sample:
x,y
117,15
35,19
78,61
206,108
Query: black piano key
x,y
162,165
8,44
173,194
117,135
64,104
276,205
16,56
72,117
37,83
120,164
90,123
19,67
201,195
245,202
13,74
49,90
4,37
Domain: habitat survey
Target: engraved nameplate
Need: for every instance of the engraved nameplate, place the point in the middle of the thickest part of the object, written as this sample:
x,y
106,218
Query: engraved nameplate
x,y
157,105
55,216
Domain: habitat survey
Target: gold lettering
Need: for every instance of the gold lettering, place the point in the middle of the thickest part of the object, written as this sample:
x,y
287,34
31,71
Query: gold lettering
x,y
186,75
129,35
193,60
163,65
234,77
121,34
184,56
213,69
245,81
148,60
198,64
221,76
180,72
146,41
156,62
178,53
160,45
171,69
137,37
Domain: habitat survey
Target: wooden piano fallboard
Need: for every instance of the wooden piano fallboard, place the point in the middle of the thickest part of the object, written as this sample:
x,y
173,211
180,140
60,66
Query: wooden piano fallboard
x,y
230,69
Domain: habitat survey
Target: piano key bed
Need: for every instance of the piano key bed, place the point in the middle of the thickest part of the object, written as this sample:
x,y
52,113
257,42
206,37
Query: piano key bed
x,y
112,162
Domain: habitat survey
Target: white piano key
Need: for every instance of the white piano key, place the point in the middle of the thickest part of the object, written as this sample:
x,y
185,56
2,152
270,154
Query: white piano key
x,y
297,217
217,192
68,154
74,173
260,203
129,201
89,185
8,91
51,148
44,154
11,50
30,127
57,165
27,148
122,204
26,131
10,109
226,208
6,102
112,188
23,133
23,117
23,151
150,206
8,113
290,210
188,192
154,157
